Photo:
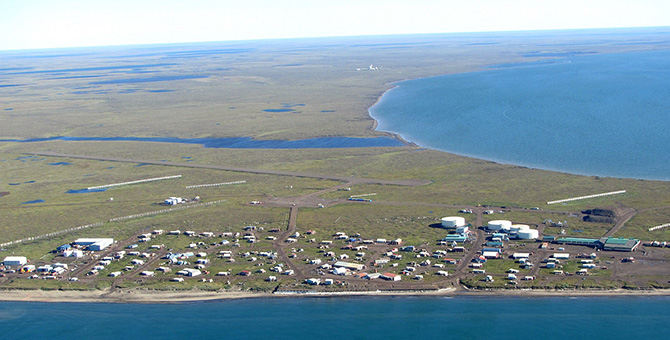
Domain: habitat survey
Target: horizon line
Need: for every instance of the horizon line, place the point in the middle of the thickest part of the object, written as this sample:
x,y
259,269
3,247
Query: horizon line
x,y
325,37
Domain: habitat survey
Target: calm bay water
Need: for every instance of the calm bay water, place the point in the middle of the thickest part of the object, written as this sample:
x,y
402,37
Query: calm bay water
x,y
345,318
605,115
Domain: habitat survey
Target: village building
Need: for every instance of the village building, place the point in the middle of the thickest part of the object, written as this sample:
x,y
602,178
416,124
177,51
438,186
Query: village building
x,y
95,244
349,265
391,277
517,256
63,248
15,261
620,244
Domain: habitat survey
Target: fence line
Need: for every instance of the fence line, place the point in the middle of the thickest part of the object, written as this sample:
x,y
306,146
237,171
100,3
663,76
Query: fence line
x,y
589,196
133,182
116,219
214,184
55,233
363,195
659,227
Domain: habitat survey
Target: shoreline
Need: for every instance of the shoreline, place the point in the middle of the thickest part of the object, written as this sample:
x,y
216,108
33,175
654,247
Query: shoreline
x,y
155,297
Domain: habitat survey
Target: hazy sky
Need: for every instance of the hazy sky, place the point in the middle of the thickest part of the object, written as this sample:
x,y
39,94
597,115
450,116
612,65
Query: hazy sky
x,y
66,23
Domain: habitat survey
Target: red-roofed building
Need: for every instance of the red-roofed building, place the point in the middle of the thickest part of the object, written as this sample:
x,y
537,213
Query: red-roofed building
x,y
391,277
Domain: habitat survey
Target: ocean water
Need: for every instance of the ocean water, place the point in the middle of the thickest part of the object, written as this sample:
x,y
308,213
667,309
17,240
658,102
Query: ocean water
x,y
604,115
544,318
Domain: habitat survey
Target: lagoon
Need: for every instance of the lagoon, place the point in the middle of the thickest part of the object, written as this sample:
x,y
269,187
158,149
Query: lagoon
x,y
587,114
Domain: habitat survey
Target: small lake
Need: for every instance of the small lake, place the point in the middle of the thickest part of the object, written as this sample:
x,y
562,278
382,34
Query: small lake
x,y
240,142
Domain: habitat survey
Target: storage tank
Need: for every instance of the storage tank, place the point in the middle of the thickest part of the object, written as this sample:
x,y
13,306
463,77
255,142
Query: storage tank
x,y
519,227
529,234
453,222
499,225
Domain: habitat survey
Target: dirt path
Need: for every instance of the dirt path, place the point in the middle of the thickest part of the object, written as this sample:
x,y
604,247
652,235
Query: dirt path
x,y
280,242
620,221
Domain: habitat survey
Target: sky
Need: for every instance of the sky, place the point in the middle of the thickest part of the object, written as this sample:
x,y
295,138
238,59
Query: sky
x,y
29,24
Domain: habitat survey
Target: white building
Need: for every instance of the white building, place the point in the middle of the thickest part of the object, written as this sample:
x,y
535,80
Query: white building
x,y
517,256
349,265
15,261
95,244
340,271
76,253
189,272
462,229
174,200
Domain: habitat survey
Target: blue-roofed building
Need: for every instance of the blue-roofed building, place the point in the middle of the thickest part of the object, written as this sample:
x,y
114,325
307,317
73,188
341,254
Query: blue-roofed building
x,y
63,248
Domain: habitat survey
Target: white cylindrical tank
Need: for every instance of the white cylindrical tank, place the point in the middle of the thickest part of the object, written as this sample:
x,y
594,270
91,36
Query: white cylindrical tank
x,y
498,225
529,234
453,222
519,227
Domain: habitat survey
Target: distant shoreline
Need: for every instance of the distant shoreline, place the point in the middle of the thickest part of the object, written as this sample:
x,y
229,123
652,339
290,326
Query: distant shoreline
x,y
151,296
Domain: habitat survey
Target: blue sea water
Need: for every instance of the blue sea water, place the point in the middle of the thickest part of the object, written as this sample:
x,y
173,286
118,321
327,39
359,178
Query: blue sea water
x,y
604,114
544,318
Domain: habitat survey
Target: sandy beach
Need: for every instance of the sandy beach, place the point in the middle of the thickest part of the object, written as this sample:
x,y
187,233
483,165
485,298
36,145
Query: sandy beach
x,y
153,296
